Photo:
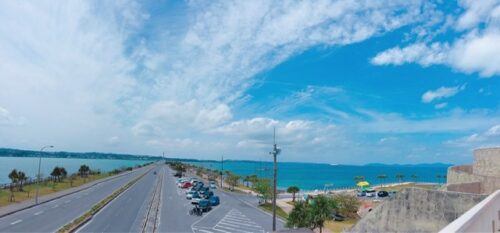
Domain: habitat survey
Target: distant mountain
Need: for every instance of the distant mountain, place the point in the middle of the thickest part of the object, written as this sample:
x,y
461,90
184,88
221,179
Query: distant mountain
x,y
6,152
410,165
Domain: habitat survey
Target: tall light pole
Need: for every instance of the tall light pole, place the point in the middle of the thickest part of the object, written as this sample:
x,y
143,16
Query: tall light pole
x,y
39,176
275,152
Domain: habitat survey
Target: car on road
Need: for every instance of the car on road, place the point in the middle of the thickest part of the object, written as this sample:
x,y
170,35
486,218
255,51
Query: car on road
x,y
382,193
212,186
214,200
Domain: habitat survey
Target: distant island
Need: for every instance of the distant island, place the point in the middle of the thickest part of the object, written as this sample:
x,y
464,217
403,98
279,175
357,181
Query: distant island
x,y
7,152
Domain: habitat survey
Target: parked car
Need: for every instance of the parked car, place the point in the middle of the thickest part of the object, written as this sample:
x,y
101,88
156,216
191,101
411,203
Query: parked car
x,y
382,193
178,174
371,193
196,198
186,185
214,200
204,205
212,186
361,193
338,217
190,194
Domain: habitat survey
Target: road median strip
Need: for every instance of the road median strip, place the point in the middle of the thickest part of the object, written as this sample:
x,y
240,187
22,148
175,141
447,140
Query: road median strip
x,y
78,222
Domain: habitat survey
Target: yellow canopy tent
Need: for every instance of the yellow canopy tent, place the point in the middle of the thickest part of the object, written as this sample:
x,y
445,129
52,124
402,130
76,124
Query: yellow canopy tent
x,y
363,184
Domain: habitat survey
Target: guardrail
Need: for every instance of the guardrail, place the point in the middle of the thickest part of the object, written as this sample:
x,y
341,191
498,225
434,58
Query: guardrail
x,y
483,217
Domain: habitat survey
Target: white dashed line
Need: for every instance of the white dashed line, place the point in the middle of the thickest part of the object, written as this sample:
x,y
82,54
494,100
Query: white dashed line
x,y
53,207
38,213
68,201
16,222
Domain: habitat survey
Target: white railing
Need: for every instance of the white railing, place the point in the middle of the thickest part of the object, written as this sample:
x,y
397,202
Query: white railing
x,y
483,217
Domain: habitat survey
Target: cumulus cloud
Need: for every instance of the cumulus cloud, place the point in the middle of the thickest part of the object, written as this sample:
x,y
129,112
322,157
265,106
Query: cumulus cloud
x,y
440,93
475,49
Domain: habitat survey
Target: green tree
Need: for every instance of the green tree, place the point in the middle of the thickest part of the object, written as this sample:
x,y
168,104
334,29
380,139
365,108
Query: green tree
x,y
320,211
14,177
347,205
56,174
84,170
21,176
414,177
232,180
293,190
264,189
246,180
400,177
382,178
299,216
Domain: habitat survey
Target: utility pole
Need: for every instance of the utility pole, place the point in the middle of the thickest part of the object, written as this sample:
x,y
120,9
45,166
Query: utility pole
x,y
275,152
222,171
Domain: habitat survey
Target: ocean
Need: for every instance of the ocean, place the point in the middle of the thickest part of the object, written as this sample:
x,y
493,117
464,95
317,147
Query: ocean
x,y
29,165
314,176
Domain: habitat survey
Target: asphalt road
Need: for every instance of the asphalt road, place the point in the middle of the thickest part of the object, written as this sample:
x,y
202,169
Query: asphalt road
x,y
127,212
236,213
50,216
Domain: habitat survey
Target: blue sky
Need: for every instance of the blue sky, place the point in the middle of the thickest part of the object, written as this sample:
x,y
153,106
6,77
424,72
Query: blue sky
x,y
348,82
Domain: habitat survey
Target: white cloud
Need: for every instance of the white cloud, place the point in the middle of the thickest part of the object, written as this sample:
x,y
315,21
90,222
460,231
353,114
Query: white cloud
x,y
440,93
475,50
441,105
488,138
419,53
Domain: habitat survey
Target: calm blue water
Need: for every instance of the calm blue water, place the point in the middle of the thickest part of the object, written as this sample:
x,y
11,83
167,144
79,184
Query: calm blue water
x,y
30,165
310,176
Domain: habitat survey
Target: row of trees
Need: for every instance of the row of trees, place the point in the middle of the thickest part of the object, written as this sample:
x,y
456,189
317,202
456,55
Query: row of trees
x,y
58,174
314,213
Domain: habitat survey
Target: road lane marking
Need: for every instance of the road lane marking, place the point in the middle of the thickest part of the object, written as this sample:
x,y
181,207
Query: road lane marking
x,y
16,222
53,207
38,213
68,201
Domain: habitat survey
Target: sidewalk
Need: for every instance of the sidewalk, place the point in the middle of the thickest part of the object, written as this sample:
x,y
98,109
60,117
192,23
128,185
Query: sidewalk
x,y
16,207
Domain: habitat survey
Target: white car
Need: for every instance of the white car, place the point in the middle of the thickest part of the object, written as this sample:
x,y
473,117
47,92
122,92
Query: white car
x,y
212,186
371,193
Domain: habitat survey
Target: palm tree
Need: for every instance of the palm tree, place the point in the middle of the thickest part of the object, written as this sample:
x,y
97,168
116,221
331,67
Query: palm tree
x,y
382,177
14,177
64,173
414,177
56,173
84,170
299,216
246,180
293,190
21,176
400,177
321,210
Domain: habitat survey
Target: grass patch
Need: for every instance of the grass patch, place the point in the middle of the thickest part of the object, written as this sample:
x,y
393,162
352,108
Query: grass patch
x,y
279,212
335,226
29,191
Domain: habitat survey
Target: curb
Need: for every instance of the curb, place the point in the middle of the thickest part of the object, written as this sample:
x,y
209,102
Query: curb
x,y
63,195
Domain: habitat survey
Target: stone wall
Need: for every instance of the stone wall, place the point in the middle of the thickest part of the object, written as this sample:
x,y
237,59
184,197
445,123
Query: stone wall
x,y
487,162
474,187
461,174
417,210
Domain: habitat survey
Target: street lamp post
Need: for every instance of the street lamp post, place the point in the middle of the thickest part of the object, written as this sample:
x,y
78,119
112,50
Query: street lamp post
x,y
275,152
39,175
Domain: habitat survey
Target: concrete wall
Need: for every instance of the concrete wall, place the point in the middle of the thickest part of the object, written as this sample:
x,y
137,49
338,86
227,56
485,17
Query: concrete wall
x,y
461,174
483,217
487,162
474,187
417,210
